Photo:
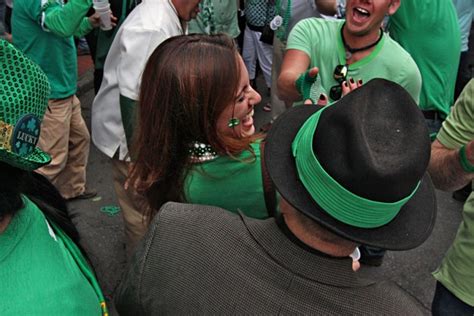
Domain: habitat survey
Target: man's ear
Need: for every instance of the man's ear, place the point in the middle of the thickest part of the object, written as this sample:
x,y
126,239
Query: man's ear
x,y
393,6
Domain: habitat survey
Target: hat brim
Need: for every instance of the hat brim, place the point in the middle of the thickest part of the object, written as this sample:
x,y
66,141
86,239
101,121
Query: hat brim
x,y
410,228
33,161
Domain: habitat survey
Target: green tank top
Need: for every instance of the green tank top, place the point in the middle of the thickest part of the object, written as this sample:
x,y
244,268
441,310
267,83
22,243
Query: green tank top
x,y
231,183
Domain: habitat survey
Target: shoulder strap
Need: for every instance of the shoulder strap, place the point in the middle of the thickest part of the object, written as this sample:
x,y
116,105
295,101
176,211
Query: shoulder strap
x,y
268,188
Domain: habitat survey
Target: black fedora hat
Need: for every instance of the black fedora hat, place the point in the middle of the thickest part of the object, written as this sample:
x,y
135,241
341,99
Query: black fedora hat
x,y
358,166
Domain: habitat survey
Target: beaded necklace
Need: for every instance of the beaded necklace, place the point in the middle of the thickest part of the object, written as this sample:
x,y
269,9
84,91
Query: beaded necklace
x,y
207,16
351,50
200,152
282,25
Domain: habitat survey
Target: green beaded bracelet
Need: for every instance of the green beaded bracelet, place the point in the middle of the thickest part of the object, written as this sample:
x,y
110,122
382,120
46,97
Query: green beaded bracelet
x,y
465,164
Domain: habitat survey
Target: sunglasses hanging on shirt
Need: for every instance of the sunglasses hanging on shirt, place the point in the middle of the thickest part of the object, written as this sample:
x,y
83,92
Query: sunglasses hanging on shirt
x,y
340,75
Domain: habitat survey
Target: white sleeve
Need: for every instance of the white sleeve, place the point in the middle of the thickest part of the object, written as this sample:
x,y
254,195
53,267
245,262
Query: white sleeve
x,y
136,46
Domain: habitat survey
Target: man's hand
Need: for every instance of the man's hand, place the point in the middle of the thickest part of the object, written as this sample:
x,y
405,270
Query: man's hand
x,y
8,37
95,20
305,82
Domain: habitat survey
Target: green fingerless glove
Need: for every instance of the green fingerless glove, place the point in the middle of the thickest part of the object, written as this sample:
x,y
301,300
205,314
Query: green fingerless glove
x,y
304,84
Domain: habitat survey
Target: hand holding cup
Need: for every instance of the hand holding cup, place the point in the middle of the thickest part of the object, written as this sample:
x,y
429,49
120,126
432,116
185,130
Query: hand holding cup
x,y
102,9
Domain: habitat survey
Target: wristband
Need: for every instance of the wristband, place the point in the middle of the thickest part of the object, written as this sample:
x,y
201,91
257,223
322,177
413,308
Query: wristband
x,y
465,163
303,85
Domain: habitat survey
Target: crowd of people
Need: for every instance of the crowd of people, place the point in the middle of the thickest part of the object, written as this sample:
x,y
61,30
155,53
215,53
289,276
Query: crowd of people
x,y
371,108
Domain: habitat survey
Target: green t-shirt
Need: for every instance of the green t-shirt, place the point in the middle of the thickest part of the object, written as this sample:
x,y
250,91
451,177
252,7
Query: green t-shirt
x,y
233,184
216,16
456,272
42,271
429,31
321,41
48,39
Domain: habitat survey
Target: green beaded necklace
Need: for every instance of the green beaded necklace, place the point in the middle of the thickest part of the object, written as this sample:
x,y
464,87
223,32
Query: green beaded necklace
x,y
281,32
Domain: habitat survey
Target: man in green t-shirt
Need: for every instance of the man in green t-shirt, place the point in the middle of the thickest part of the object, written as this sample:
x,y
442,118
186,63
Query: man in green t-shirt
x,y
291,12
451,167
429,31
44,31
341,50
324,57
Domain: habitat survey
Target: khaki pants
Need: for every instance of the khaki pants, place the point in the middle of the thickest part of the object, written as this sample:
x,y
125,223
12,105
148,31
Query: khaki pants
x,y
65,137
132,204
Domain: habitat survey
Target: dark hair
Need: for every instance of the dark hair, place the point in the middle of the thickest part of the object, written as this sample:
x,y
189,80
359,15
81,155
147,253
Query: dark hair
x,y
52,204
187,83
11,183
15,182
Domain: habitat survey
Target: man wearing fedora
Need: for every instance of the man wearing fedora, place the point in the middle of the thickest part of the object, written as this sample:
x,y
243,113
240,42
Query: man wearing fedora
x,y
348,174
452,167
343,50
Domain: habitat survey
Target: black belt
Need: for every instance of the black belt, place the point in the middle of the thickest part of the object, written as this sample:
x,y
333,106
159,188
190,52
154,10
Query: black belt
x,y
255,28
432,115
61,99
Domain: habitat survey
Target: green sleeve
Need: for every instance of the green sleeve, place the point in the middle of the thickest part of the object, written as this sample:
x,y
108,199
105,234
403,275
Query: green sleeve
x,y
301,38
128,111
84,28
458,128
411,79
65,20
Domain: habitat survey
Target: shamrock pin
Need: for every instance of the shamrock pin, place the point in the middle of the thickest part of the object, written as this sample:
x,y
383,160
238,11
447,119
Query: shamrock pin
x,y
31,126
25,148
110,210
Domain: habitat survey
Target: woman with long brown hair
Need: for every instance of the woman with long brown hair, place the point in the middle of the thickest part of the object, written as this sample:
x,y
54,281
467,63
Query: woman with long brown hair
x,y
195,140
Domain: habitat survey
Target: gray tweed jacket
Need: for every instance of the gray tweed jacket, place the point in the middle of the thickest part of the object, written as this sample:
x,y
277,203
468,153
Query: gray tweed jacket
x,y
203,260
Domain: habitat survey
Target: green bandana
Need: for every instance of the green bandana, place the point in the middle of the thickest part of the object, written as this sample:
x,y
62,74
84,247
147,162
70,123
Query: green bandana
x,y
336,200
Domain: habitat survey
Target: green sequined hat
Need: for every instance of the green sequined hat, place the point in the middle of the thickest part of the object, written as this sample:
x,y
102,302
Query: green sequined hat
x,y
24,92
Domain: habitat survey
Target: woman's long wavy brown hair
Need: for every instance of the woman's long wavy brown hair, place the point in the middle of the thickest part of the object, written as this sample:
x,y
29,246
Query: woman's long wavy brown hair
x,y
187,83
